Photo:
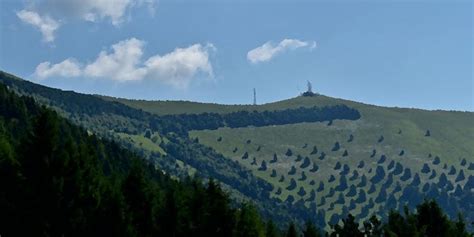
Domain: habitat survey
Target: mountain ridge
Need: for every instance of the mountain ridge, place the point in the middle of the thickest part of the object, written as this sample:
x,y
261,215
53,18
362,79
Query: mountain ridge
x,y
148,105
129,101
420,153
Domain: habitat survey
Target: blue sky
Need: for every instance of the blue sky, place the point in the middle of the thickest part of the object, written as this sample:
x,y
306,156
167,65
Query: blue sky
x,y
389,52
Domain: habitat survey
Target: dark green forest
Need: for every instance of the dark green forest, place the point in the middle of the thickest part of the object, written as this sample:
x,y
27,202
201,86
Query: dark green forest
x,y
259,119
60,180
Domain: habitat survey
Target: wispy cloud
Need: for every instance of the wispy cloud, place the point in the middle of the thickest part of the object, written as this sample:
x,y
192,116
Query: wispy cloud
x,y
269,50
94,10
42,14
45,24
124,63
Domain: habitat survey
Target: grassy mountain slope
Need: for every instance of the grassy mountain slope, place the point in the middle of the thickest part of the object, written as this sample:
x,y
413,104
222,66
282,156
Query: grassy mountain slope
x,y
451,140
454,130
411,142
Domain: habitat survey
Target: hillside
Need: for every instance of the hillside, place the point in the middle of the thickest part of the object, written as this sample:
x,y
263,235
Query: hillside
x,y
314,158
58,180
378,149
181,156
448,152
454,130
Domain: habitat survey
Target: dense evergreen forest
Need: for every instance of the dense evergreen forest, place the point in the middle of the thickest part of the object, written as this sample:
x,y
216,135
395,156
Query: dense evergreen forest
x,y
259,119
60,180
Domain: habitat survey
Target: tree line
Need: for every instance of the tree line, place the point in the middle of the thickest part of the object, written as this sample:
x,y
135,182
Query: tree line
x,y
238,119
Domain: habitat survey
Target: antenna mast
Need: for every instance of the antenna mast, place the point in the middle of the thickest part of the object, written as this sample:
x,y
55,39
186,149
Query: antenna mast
x,y
254,96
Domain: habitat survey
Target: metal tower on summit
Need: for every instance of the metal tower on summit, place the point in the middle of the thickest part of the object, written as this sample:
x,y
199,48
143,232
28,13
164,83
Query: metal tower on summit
x,y
309,91
310,87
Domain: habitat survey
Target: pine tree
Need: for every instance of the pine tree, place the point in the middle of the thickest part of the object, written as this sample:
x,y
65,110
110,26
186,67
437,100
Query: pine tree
x,y
138,204
271,230
248,222
349,228
310,230
291,232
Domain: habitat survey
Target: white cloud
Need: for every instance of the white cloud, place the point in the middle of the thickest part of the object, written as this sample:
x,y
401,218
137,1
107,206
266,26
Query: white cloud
x,y
45,24
114,10
94,10
268,50
40,13
66,68
180,66
124,63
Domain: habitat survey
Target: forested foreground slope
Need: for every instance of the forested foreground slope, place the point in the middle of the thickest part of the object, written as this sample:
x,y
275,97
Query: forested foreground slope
x,y
168,145
59,180
308,158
